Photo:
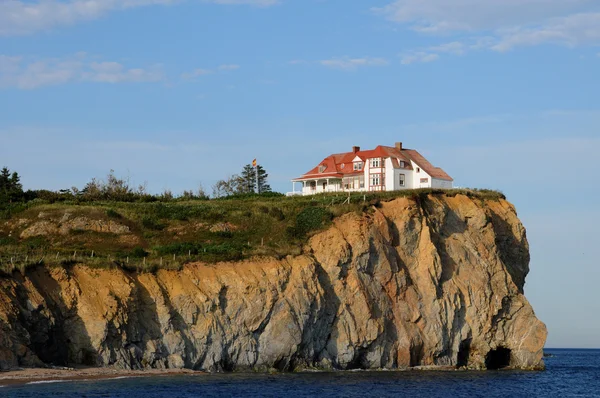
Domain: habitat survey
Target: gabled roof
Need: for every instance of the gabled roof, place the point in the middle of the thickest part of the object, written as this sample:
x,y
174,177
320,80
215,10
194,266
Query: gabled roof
x,y
341,164
434,172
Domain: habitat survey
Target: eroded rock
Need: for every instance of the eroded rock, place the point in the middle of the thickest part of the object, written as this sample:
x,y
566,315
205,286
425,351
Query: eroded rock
x,y
434,283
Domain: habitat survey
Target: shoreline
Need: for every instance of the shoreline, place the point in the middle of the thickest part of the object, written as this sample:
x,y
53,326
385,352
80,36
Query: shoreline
x,y
23,376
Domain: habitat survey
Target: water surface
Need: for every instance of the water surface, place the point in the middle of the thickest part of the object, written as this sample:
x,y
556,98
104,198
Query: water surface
x,y
570,373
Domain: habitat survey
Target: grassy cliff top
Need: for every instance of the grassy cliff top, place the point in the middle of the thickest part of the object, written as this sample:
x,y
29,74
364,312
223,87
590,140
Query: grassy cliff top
x,y
148,236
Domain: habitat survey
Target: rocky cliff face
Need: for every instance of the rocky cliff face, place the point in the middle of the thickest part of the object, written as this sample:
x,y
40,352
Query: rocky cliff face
x,y
433,282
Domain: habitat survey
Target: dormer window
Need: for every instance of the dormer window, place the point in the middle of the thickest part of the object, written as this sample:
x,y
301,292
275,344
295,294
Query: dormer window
x,y
358,166
322,168
402,164
375,163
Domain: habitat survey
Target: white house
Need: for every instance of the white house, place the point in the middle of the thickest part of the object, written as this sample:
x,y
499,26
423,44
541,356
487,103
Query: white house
x,y
381,169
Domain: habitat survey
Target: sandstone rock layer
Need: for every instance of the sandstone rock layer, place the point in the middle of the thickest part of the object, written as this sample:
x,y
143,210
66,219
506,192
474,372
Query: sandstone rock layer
x,y
436,281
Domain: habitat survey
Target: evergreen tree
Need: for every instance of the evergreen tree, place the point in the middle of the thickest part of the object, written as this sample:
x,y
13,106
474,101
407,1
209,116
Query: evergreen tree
x,y
4,178
11,189
16,189
248,180
263,186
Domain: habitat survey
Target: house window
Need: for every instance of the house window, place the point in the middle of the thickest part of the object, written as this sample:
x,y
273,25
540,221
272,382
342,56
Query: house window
x,y
358,165
424,180
375,163
348,182
322,168
402,164
402,180
361,181
418,169
375,180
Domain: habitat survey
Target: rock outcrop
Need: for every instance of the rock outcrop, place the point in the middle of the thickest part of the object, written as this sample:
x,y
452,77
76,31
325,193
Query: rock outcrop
x,y
431,282
67,225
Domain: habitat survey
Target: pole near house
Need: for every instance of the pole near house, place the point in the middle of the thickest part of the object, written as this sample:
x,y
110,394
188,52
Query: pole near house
x,y
255,165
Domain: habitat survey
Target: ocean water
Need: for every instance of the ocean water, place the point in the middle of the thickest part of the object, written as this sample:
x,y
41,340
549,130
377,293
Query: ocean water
x,y
570,373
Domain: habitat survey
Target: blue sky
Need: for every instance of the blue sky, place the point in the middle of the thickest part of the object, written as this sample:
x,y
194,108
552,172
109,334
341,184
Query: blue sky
x,y
500,93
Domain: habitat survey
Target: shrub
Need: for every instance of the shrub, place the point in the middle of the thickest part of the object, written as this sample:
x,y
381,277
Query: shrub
x,y
311,219
183,248
277,214
5,241
36,242
113,214
223,234
138,252
152,223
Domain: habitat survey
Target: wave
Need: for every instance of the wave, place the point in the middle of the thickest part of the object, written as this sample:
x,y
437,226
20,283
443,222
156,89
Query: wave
x,y
47,381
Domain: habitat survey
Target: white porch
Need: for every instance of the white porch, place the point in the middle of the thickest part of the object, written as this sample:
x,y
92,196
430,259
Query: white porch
x,y
316,186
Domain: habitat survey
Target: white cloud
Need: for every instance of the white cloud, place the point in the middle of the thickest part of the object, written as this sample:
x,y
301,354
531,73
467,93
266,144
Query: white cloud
x,y
571,31
418,57
498,25
28,74
259,3
454,47
18,17
347,63
439,16
202,72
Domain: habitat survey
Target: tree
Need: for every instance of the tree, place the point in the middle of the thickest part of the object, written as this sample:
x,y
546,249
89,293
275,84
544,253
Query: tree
x,y
11,189
232,185
262,180
248,177
113,188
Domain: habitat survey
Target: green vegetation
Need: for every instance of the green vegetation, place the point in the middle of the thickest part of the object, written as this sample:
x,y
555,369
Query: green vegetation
x,y
165,233
244,183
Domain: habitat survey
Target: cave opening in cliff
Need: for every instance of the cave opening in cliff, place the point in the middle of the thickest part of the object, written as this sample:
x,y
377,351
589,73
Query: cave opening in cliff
x,y
498,358
464,351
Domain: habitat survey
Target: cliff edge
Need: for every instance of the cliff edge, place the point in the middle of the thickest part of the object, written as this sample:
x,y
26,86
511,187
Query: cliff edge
x,y
435,281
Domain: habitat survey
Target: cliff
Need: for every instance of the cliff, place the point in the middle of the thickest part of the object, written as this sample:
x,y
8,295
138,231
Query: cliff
x,y
436,281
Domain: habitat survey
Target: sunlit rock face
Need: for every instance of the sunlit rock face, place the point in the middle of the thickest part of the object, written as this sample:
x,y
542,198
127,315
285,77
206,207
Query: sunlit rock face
x,y
436,281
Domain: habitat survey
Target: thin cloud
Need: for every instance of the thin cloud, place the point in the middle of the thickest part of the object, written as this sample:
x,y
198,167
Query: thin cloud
x,y
455,47
496,25
229,67
20,17
27,74
418,57
258,3
571,31
443,16
196,73
347,63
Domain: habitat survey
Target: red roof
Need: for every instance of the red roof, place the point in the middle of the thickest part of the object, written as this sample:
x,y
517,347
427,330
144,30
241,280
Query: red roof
x,y
341,165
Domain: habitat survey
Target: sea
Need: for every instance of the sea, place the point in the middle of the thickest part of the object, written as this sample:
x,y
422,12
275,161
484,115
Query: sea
x,y
569,373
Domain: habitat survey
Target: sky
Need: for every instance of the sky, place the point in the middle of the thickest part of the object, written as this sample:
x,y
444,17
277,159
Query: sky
x,y
502,94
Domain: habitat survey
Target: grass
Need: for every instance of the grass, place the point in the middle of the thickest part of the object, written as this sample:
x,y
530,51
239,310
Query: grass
x,y
168,235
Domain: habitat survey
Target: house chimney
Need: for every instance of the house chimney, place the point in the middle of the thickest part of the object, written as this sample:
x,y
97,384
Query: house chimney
x,y
399,145
355,149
